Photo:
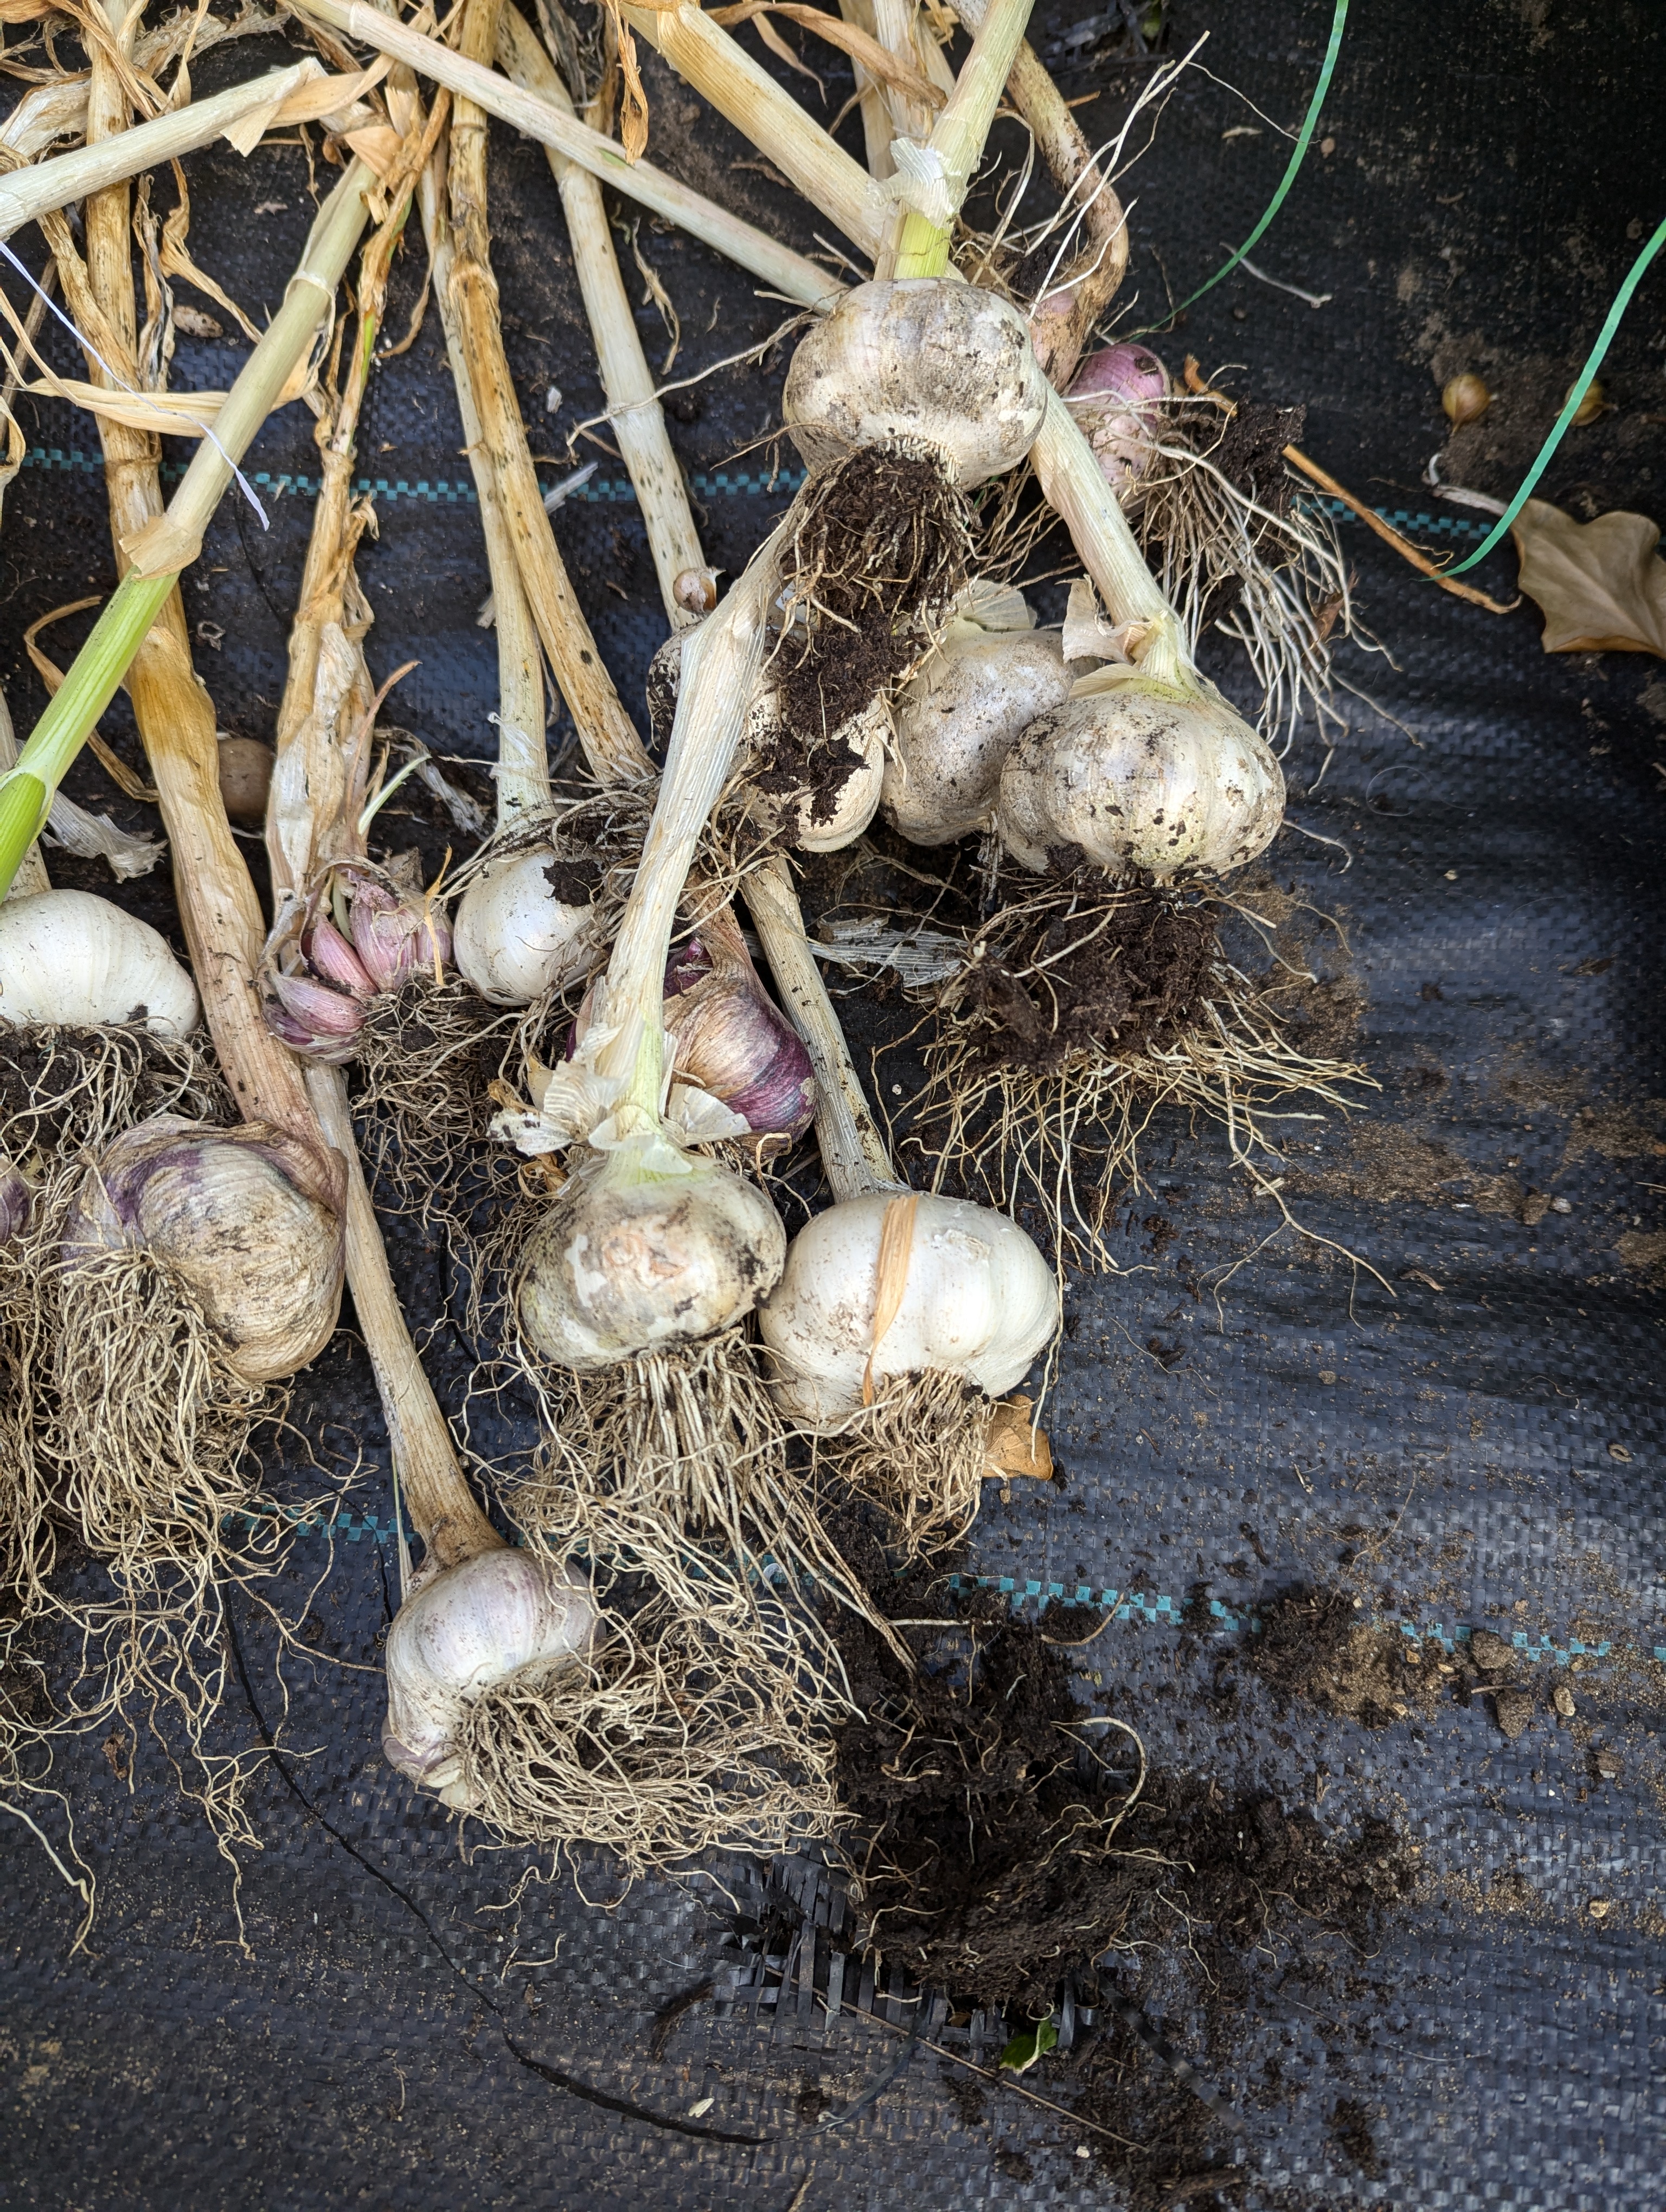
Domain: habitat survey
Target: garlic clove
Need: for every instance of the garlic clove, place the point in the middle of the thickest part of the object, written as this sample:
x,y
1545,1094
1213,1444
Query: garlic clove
x,y
978,1300
243,1215
1138,775
329,955
919,359
626,1261
959,719
469,1626
72,960
523,927
395,937
319,1020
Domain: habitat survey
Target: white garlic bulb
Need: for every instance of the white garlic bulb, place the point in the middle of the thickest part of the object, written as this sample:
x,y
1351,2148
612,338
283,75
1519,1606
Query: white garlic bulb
x,y
630,1258
69,958
1143,768
923,359
243,1215
814,826
516,935
992,674
469,1628
978,1300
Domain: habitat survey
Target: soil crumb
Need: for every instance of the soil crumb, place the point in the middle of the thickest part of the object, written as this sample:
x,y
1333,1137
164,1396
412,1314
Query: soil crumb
x,y
1312,1644
1387,1162
1351,2132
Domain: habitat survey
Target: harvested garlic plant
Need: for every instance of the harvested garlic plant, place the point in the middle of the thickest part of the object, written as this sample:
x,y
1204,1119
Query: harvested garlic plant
x,y
69,958
991,675
359,933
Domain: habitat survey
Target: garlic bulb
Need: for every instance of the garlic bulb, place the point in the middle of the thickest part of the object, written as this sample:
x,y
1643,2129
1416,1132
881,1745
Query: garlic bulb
x,y
359,931
242,1215
977,1300
730,1038
469,1628
814,821
16,1200
919,359
1117,398
523,927
646,1248
825,819
1144,768
991,675
69,959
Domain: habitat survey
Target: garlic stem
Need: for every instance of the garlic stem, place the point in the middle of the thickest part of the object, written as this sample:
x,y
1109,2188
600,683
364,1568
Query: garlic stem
x,y
775,265
30,875
1074,486
66,178
634,416
523,760
958,135
442,1507
605,731
854,1152
721,661
722,71
159,545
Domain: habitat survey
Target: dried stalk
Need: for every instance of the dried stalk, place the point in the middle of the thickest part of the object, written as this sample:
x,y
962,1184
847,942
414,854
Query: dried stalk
x,y
776,265
634,416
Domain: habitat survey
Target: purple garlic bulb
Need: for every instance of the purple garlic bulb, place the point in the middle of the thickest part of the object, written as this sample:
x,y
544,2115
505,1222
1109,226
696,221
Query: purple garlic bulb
x,y
1116,397
732,1040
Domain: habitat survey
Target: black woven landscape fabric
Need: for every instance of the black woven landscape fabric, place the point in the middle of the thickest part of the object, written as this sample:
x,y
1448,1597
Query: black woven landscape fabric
x,y
1464,1431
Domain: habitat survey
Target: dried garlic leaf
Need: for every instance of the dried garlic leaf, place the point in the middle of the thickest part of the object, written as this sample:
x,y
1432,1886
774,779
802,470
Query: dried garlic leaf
x,y
1602,585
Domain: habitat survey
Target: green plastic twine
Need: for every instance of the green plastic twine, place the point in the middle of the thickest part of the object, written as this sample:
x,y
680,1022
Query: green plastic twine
x,y
1304,138
1570,405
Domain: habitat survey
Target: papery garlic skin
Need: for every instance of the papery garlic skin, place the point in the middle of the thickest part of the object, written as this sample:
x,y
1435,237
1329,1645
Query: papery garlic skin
x,y
70,959
512,939
1141,773
469,1628
627,1261
978,1300
16,1200
395,936
921,360
958,720
243,1215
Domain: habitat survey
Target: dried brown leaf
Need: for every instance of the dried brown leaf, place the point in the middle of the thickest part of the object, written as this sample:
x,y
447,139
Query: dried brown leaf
x,y
1602,585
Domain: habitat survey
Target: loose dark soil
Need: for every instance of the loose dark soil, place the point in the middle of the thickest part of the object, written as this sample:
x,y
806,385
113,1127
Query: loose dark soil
x,y
989,1856
996,1848
1136,983
1252,452
47,1102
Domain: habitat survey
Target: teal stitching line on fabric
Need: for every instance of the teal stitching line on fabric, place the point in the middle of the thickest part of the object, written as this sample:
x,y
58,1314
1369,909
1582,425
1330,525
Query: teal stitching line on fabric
x,y
1309,124
1149,1608
724,484
1570,405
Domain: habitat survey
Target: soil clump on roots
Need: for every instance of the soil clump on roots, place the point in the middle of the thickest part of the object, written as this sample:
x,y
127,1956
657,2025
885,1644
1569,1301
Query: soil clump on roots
x,y
880,547
1128,976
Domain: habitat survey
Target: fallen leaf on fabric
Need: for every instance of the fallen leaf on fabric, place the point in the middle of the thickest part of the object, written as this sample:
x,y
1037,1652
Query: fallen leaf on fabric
x,y
1602,585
